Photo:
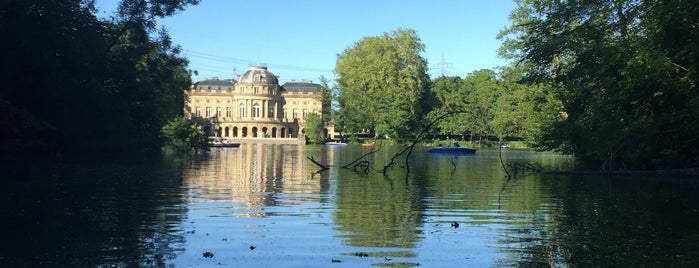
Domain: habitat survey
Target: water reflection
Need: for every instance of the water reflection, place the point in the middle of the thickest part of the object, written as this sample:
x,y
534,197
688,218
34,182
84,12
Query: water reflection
x,y
82,213
265,205
252,176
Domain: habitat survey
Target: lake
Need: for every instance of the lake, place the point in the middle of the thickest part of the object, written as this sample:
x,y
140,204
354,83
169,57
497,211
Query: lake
x,y
264,205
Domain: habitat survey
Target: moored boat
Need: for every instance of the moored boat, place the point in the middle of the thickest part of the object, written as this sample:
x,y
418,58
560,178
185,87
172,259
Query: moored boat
x,y
224,144
452,150
373,144
335,143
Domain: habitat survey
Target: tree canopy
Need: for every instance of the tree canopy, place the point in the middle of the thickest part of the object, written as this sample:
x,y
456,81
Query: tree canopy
x,y
624,73
76,82
382,83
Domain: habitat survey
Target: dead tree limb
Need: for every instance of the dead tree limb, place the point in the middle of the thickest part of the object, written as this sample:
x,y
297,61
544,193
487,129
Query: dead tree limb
x,y
503,165
373,150
321,166
417,139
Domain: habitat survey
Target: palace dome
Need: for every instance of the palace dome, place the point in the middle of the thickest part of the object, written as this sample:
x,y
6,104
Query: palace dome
x,y
256,75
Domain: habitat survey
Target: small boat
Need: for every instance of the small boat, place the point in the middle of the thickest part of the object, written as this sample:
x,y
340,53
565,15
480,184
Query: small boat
x,y
219,144
452,150
335,143
373,144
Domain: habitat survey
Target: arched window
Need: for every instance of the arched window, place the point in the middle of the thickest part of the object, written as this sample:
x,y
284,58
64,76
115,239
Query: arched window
x,y
241,110
256,110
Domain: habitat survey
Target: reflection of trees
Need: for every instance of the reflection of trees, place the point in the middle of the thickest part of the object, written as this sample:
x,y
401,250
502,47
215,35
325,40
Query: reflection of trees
x,y
372,212
628,222
93,215
594,222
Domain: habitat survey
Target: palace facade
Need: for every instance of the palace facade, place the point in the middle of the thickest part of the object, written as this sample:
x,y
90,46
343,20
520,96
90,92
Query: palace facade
x,y
254,106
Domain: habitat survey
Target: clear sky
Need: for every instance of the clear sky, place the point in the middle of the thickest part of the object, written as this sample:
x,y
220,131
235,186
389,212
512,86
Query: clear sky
x,y
300,39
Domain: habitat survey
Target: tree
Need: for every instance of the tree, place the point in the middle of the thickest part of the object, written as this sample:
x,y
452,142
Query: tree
x,y
482,89
383,82
624,73
314,130
89,84
183,135
449,95
326,99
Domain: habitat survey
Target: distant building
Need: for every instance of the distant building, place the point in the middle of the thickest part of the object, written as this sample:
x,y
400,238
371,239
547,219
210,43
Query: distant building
x,y
254,106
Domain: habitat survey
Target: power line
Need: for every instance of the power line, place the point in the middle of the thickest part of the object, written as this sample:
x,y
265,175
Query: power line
x,y
230,60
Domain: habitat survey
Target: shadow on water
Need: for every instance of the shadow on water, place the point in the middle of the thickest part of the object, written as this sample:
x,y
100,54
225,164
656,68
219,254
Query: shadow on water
x,y
265,205
91,212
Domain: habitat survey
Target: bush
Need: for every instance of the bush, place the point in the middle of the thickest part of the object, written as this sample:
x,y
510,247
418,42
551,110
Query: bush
x,y
183,134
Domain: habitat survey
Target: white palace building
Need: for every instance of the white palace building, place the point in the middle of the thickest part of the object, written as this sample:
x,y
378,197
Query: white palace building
x,y
253,107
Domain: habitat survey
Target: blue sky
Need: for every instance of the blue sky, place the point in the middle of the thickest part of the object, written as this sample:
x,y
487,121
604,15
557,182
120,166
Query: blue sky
x,y
300,40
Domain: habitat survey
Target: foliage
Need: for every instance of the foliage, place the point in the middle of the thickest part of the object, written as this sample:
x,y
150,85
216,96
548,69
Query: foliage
x,y
482,90
314,130
86,83
183,135
624,73
382,83
326,99
493,105
450,97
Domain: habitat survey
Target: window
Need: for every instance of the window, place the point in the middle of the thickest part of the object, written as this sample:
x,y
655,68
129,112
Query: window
x,y
198,111
241,110
208,111
286,113
305,113
270,112
218,111
256,90
296,113
242,89
256,110
229,112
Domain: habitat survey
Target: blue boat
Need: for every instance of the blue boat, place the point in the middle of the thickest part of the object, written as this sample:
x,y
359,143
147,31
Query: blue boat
x,y
452,150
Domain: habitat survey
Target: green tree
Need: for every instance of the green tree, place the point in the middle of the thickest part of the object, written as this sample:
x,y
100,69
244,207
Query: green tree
x,y
88,84
383,84
326,98
183,135
624,73
449,96
481,88
314,130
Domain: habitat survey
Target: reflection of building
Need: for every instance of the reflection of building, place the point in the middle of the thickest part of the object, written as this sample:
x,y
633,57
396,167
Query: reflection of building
x,y
251,175
253,107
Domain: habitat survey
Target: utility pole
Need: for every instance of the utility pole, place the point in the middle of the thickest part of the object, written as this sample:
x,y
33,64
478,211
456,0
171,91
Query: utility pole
x,y
443,66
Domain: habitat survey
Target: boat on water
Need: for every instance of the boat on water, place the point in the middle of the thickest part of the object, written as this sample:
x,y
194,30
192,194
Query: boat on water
x,y
452,150
373,144
220,144
335,143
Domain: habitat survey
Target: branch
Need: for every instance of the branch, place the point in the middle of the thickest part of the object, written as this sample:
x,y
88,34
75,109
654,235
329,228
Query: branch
x,y
417,139
373,150
321,166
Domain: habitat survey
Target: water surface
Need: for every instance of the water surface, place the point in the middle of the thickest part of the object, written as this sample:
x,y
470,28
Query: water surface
x,y
264,205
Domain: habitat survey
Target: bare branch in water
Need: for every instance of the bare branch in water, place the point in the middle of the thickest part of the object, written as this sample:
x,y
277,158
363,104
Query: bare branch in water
x,y
321,166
